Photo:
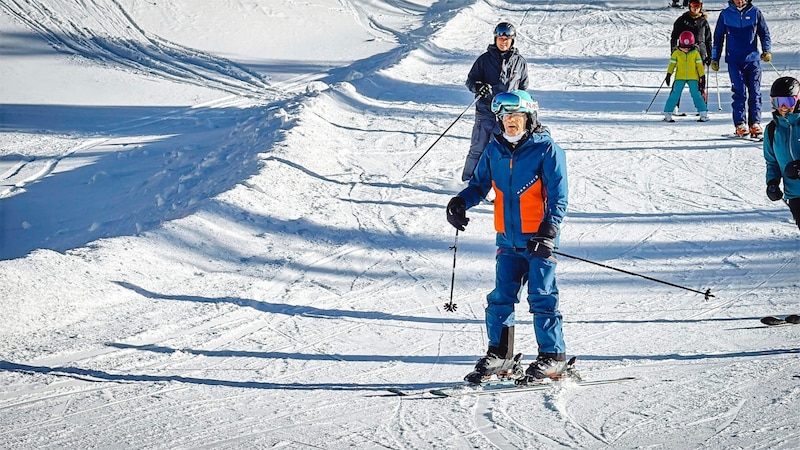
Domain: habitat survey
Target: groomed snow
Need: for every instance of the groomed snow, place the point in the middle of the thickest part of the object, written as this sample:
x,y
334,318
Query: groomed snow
x,y
209,240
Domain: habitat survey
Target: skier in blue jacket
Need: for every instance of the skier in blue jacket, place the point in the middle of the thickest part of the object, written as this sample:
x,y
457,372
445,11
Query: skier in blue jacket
x,y
740,24
782,144
528,172
500,69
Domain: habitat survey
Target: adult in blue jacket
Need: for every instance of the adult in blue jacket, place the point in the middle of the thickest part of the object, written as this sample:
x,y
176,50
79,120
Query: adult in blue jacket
x,y
782,144
528,172
500,69
738,27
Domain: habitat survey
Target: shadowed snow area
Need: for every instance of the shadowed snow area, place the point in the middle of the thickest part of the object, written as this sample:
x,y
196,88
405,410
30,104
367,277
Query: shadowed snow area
x,y
208,238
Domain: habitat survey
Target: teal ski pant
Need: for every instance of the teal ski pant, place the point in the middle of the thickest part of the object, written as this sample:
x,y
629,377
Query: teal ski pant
x,y
677,90
515,267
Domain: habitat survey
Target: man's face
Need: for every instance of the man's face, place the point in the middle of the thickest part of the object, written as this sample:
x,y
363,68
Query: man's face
x,y
503,43
514,123
739,3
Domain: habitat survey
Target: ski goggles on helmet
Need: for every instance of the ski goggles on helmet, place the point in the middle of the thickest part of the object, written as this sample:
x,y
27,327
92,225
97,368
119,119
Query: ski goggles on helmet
x,y
788,102
696,4
508,103
505,30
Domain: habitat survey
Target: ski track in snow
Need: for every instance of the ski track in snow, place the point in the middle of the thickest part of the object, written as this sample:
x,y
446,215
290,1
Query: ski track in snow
x,y
263,351
101,30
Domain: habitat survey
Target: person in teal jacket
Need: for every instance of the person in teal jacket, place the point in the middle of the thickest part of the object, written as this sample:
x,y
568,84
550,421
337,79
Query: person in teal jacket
x,y
687,63
528,172
782,144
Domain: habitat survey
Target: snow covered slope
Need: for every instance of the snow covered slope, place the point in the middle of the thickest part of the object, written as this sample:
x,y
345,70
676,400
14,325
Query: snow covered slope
x,y
208,240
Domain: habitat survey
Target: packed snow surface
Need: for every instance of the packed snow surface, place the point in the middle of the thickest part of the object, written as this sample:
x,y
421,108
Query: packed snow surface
x,y
209,239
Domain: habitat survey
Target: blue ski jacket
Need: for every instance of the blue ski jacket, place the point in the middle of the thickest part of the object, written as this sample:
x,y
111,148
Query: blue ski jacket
x,y
530,184
784,149
740,29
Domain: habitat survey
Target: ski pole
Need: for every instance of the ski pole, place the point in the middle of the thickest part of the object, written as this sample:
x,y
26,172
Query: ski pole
x,y
719,99
773,68
707,292
441,135
452,306
654,97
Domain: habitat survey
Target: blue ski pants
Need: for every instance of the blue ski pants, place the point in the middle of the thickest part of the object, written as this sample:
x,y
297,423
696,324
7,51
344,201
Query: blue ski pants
x,y
514,267
746,88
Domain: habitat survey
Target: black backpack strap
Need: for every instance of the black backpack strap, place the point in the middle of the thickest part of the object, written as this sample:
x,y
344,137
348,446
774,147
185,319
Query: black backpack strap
x,y
771,132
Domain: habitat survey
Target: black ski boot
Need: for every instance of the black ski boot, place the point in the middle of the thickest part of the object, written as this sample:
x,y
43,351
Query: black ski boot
x,y
549,365
493,364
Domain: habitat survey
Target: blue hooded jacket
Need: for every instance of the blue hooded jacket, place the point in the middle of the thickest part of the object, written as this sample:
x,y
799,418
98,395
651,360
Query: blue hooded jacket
x,y
784,149
530,184
740,29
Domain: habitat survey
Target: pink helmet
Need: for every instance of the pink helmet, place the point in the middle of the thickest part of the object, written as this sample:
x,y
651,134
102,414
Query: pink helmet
x,y
686,39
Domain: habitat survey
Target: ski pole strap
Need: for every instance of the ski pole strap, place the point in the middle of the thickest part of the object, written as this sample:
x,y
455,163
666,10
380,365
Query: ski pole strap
x,y
707,292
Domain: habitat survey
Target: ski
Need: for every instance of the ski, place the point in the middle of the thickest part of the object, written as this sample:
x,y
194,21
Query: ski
x,y
511,388
460,385
745,138
570,377
403,393
793,319
488,383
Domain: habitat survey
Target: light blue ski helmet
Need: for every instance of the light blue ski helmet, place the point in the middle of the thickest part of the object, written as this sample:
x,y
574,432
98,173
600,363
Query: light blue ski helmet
x,y
514,102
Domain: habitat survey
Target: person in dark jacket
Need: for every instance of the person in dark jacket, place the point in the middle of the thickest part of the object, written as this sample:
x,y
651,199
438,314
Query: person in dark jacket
x,y
500,69
696,21
528,172
738,28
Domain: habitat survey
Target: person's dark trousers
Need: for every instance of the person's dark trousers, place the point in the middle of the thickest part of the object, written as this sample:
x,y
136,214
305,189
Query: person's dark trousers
x,y
794,207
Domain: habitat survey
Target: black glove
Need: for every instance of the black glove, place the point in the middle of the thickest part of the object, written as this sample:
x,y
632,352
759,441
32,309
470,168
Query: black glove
x,y
701,83
792,170
542,244
483,89
668,78
457,213
707,61
773,191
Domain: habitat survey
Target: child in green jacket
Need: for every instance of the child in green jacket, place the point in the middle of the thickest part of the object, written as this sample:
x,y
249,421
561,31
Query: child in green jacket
x,y
687,64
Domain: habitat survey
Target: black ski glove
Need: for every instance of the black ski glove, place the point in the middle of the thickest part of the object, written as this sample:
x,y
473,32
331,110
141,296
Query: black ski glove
x,y
792,170
773,191
542,244
483,89
701,83
668,78
457,213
